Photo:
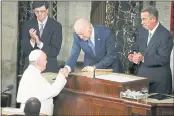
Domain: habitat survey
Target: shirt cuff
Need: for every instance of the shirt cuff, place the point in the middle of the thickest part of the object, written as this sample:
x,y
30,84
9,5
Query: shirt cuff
x,y
68,67
32,43
143,59
40,46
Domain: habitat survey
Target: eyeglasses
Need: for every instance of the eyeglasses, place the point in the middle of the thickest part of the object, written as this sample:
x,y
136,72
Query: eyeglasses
x,y
41,11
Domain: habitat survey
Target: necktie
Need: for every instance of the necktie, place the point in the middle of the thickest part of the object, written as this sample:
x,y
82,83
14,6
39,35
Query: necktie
x,y
91,45
149,37
41,29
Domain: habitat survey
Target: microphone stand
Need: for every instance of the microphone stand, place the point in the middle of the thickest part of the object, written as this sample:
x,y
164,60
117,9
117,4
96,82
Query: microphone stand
x,y
4,91
94,73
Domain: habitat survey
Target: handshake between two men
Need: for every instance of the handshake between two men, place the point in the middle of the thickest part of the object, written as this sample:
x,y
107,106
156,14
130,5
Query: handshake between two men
x,y
66,70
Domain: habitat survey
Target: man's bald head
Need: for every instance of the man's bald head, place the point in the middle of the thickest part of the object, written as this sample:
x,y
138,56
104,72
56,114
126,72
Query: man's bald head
x,y
81,24
83,28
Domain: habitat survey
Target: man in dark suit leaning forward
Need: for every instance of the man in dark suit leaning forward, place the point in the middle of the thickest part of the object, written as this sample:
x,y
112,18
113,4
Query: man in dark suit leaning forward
x,y
42,33
98,45
152,52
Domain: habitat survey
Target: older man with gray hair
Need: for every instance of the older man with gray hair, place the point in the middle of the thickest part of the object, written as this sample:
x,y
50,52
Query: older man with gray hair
x,y
101,50
33,84
152,52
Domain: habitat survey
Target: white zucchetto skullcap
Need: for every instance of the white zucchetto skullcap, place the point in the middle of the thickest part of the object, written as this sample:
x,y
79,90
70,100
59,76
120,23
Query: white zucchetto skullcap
x,y
34,55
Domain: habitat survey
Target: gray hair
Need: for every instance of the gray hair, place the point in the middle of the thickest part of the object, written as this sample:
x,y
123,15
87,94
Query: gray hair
x,y
151,10
81,23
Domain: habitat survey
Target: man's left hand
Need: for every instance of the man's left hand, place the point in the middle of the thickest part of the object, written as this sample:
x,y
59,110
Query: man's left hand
x,y
88,69
137,58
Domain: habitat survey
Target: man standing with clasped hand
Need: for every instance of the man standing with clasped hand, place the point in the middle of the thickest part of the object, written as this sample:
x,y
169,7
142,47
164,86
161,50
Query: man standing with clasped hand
x,y
42,33
152,52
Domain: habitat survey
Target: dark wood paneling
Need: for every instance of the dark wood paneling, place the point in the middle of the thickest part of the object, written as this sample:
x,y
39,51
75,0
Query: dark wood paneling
x,y
86,96
98,12
78,104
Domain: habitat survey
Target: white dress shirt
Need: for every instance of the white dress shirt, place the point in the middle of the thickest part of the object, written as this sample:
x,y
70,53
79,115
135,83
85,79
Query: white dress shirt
x,y
41,43
154,29
92,36
33,84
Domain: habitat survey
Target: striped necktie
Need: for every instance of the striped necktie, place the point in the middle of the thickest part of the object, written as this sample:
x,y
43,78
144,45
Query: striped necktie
x,y
149,37
41,29
91,45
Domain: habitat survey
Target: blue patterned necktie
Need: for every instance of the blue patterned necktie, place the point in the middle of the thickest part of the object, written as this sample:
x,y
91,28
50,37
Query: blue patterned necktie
x,y
91,45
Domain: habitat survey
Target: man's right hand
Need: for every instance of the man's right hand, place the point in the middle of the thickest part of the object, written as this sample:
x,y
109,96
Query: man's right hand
x,y
64,71
130,57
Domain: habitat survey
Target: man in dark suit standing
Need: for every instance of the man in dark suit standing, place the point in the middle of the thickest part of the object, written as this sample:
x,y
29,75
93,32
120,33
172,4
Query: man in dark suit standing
x,y
99,46
42,33
152,52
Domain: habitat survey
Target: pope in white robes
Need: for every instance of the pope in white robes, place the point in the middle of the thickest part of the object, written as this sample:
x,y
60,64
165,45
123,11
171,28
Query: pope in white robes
x,y
33,84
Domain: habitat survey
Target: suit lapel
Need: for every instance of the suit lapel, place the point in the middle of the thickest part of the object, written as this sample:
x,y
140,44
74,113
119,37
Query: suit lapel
x,y
143,42
152,40
97,41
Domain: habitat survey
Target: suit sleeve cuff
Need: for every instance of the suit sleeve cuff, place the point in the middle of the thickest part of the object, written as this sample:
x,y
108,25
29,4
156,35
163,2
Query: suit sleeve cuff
x,y
68,67
40,46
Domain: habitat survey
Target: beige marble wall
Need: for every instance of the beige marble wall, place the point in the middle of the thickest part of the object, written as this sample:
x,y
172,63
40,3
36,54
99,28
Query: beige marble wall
x,y
9,45
164,9
67,13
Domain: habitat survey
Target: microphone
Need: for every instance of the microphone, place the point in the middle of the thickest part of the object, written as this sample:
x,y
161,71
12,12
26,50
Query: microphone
x,y
94,73
9,87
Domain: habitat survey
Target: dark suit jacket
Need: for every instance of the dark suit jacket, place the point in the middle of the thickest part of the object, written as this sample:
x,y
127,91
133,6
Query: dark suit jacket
x,y
105,48
51,38
156,66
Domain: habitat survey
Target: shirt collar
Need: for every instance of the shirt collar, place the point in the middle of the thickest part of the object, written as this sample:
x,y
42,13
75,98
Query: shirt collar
x,y
44,22
92,36
152,32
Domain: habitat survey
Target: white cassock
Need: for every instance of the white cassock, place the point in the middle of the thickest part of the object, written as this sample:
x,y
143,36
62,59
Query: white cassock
x,y
33,84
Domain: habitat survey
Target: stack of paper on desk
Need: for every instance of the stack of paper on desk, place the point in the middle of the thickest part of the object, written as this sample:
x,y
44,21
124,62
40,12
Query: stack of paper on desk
x,y
103,70
117,77
91,74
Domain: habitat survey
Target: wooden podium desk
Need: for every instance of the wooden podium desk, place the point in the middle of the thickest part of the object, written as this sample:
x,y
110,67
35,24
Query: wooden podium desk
x,y
91,96
84,95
